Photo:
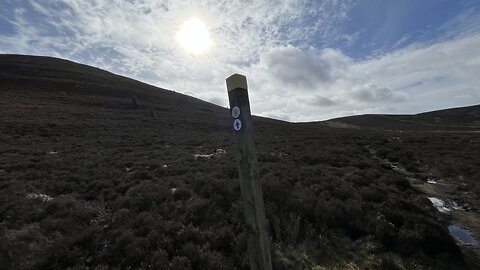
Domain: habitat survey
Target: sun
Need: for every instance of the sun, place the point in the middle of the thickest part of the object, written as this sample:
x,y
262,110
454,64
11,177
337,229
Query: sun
x,y
194,36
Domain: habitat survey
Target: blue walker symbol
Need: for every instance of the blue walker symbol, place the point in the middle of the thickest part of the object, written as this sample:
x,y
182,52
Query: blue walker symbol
x,y
237,124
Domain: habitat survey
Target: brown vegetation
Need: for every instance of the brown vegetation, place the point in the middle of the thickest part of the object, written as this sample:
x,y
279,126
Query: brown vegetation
x,y
118,189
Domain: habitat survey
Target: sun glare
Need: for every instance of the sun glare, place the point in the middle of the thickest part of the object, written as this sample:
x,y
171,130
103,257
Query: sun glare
x,y
194,36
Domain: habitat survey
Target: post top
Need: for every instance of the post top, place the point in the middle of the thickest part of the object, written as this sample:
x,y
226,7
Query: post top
x,y
236,81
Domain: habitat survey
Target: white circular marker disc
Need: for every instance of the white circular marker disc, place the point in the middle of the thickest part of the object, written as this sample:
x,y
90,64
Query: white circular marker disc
x,y
237,124
235,112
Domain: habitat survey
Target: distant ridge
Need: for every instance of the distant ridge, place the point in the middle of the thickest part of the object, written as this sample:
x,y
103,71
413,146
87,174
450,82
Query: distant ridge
x,y
461,118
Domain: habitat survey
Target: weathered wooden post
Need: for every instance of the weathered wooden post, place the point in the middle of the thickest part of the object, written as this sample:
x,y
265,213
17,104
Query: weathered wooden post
x,y
258,239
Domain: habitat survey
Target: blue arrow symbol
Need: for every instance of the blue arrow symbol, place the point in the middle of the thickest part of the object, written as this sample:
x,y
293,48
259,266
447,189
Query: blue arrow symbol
x,y
237,124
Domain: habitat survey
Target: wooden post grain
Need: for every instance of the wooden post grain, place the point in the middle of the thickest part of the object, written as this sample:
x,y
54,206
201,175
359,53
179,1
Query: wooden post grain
x,y
258,239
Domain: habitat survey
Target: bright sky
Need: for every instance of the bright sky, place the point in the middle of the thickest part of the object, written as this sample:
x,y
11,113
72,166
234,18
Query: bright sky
x,y
304,60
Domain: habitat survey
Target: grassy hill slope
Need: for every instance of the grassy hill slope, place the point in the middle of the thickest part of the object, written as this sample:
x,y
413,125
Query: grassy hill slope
x,y
89,180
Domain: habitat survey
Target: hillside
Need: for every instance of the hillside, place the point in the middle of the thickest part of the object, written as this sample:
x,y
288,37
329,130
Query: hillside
x,y
455,119
62,77
91,180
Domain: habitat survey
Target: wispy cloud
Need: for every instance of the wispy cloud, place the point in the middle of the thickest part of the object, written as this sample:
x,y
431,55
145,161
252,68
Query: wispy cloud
x,y
409,80
287,49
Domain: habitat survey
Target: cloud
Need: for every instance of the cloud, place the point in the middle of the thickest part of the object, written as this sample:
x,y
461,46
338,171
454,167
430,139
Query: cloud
x,y
304,69
416,78
323,101
287,49
374,93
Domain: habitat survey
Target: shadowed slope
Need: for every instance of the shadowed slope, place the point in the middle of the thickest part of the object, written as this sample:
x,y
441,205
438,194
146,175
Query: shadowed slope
x,y
52,74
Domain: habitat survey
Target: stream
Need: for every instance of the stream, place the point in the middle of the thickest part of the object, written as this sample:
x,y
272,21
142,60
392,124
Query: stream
x,y
462,235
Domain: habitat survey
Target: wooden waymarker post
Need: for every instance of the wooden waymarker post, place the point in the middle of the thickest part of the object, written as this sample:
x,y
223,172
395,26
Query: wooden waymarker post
x,y
258,240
